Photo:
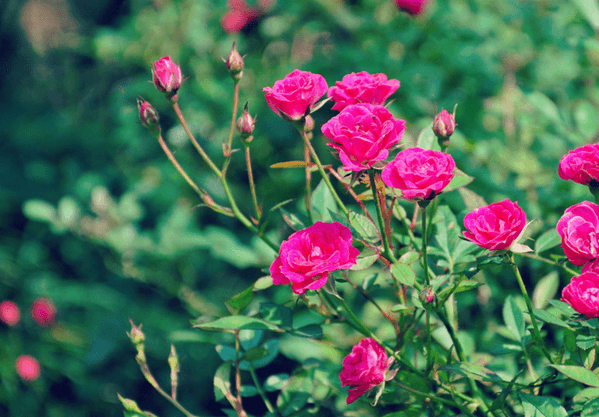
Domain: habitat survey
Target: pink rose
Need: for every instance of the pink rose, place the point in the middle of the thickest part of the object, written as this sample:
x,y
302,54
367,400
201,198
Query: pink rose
x,y
294,96
364,368
362,88
419,174
413,7
592,266
167,75
444,124
578,228
363,134
43,311
9,313
307,257
496,226
580,165
582,293
28,368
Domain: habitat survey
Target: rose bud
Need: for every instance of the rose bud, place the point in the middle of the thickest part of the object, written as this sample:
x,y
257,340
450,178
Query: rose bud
x,y
245,125
43,311
28,368
496,226
444,124
307,257
167,76
427,295
148,116
9,313
235,64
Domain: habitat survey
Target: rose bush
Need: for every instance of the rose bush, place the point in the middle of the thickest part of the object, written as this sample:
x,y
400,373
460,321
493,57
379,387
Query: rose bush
x,y
363,134
580,165
294,96
307,257
419,174
582,293
167,75
496,226
362,87
578,228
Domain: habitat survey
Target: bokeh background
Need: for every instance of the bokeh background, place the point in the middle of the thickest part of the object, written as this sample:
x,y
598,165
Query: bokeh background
x,y
93,216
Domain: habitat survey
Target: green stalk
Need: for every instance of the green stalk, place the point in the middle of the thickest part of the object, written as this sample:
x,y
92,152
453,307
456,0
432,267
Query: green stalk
x,y
387,252
536,334
261,392
427,278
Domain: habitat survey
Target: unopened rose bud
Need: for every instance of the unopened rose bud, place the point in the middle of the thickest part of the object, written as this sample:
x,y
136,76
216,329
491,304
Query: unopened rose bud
x,y
129,405
246,124
235,63
148,116
427,295
444,124
136,335
167,76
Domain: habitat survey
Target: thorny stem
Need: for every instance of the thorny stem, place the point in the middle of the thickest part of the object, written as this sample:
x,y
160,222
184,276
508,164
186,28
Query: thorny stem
x,y
227,147
535,333
351,191
248,162
308,196
427,278
379,214
322,172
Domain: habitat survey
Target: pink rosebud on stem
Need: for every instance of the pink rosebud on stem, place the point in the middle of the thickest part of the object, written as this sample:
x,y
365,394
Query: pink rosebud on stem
x,y
10,313
148,116
28,368
245,125
443,127
234,63
43,311
167,76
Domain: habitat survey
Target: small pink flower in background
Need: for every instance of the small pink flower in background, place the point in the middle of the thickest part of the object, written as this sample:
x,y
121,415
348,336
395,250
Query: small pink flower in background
x,y
9,313
43,311
309,255
364,368
294,97
580,165
240,15
414,7
496,226
167,75
419,174
363,134
28,368
579,228
361,87
582,293
444,124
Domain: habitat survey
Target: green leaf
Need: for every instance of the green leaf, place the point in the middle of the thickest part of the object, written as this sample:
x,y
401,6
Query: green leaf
x,y
269,351
364,227
547,317
323,202
369,281
275,382
591,409
537,406
403,273
366,258
545,290
586,394
563,307
462,286
513,318
238,322
250,338
39,210
460,179
585,342
222,381
313,331
426,138
590,11
254,354
240,301
547,240
263,283
409,258
225,352
471,199
545,105
471,370
578,373
277,314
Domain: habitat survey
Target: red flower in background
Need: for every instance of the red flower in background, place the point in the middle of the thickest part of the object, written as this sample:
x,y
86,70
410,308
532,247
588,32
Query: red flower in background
x,y
9,313
414,7
240,14
28,368
43,311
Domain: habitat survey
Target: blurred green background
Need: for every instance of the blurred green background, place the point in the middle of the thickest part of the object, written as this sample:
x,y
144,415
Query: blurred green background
x,y
93,216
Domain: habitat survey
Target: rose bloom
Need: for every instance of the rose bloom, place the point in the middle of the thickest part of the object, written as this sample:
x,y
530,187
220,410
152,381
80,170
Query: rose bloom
x,y
592,266
414,7
364,368
582,293
9,313
419,174
43,311
28,368
580,165
362,88
166,75
496,226
578,228
294,96
363,134
307,257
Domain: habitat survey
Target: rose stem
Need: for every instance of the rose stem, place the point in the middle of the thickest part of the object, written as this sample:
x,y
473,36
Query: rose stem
x,y
351,191
227,147
550,262
379,214
240,216
248,162
308,197
323,173
427,279
267,402
536,334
